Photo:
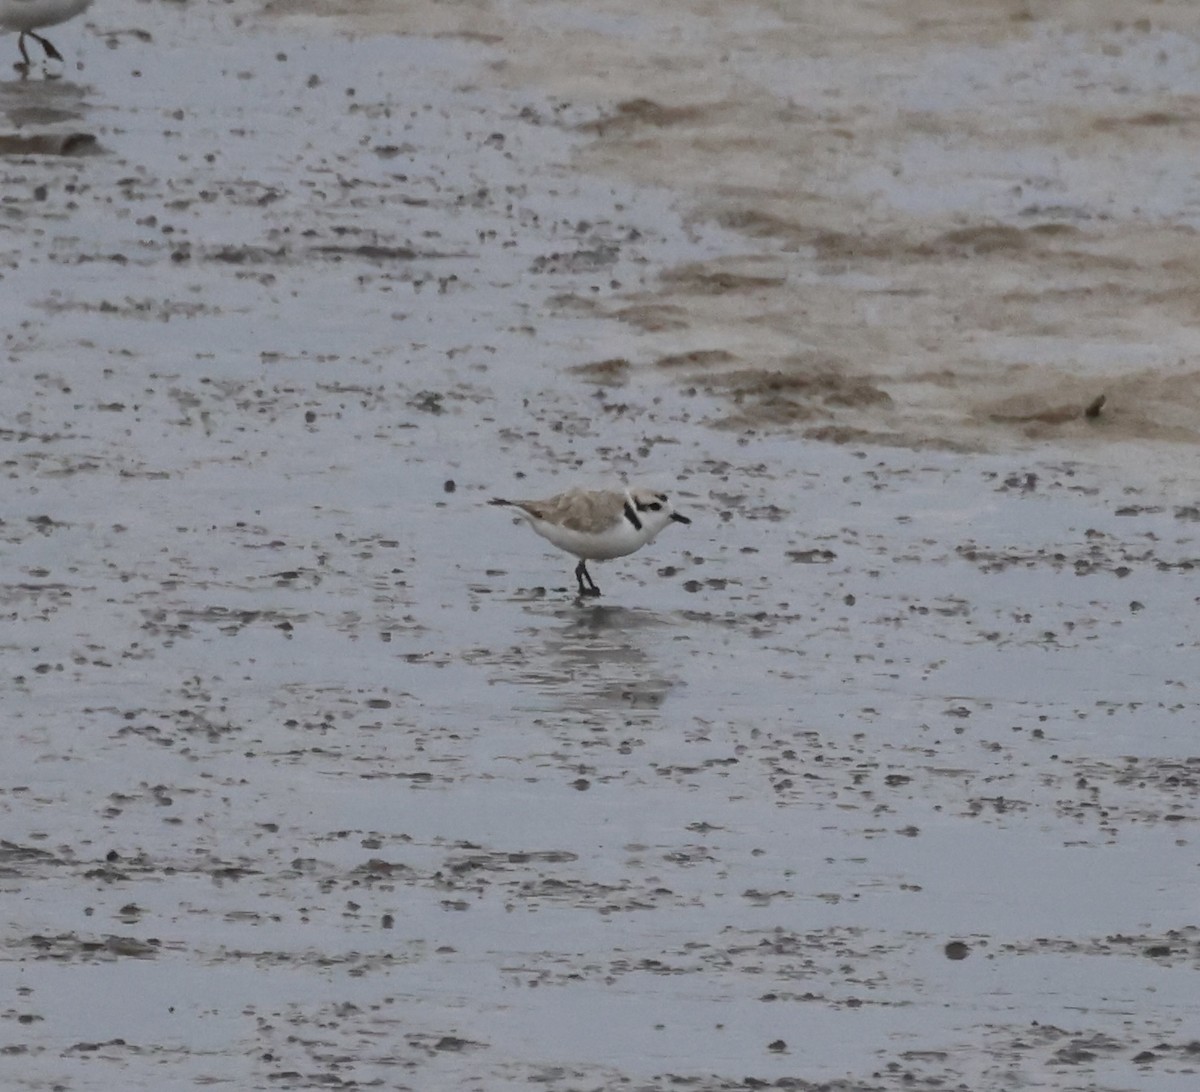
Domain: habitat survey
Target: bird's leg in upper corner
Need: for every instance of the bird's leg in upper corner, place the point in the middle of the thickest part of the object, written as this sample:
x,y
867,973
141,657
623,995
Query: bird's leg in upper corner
x,y
47,45
582,574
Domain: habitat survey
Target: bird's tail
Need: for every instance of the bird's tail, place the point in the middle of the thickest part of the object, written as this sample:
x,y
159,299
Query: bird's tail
x,y
501,501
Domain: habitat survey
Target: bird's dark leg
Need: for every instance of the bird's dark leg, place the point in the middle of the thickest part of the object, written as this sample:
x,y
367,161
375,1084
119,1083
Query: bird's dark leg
x,y
47,45
52,54
582,574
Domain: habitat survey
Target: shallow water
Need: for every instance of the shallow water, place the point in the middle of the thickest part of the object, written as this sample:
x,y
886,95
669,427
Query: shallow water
x,y
318,776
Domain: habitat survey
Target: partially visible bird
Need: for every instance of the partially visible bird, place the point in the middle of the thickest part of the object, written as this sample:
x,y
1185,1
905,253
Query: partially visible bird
x,y
596,525
26,17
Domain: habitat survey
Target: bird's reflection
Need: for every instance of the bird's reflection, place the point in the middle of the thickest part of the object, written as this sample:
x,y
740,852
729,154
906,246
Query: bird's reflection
x,y
40,104
594,660
46,118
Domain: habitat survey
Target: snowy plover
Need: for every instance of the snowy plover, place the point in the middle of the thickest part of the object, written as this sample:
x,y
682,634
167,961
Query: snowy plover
x,y
26,16
596,525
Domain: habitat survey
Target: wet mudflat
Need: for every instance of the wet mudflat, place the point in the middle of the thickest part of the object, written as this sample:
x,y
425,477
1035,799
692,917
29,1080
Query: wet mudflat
x,y
880,775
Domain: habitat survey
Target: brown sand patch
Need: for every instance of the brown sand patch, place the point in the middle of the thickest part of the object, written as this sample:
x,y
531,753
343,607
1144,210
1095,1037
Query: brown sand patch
x,y
697,278
614,370
697,358
1023,412
802,388
654,317
633,114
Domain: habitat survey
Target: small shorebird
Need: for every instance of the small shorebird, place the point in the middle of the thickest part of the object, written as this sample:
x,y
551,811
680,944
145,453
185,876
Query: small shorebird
x,y
596,525
26,17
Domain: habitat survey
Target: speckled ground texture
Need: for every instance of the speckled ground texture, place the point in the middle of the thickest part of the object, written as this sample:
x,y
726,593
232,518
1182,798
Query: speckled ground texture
x,y
881,775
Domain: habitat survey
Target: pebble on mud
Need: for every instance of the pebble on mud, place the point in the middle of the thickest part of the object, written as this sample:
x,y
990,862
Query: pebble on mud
x,y
956,949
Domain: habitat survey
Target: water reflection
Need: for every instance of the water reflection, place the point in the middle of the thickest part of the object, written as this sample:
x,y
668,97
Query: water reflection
x,y
33,104
594,660
46,116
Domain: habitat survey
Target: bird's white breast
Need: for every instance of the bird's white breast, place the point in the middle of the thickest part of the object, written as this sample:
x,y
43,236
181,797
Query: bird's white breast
x,y
616,541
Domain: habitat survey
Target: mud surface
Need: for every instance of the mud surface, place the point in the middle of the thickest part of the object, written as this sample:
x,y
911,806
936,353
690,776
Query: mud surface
x,y
879,776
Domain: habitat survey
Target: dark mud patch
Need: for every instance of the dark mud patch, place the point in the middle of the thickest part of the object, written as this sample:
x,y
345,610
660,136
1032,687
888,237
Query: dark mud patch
x,y
956,244
698,279
654,318
69,947
987,239
633,114
54,144
612,371
696,358
1021,411
803,388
